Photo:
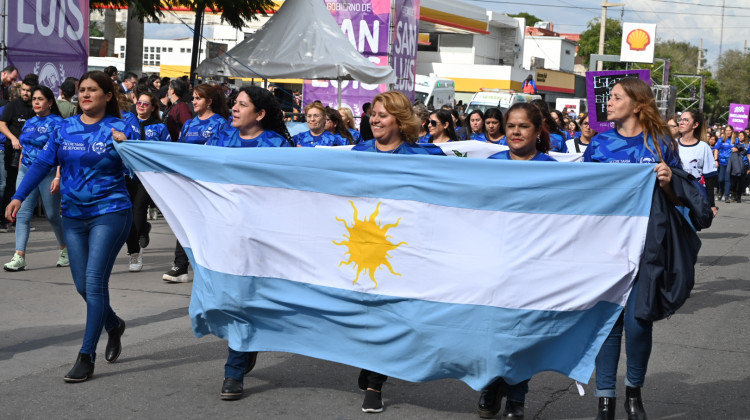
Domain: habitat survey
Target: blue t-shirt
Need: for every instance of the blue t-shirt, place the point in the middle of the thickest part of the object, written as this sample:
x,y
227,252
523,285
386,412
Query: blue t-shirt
x,y
156,132
725,149
356,135
557,143
35,134
424,139
611,147
198,131
230,137
505,155
92,172
478,136
132,120
306,139
503,141
404,149
460,133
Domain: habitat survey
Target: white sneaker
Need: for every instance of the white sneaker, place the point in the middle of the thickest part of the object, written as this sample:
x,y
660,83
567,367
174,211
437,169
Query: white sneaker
x,y
153,213
136,262
17,263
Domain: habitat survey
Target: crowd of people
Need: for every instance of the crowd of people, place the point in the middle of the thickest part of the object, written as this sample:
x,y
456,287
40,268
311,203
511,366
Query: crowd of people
x,y
66,157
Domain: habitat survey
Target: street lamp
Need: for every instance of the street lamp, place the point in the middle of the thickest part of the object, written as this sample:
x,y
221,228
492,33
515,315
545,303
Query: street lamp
x,y
602,25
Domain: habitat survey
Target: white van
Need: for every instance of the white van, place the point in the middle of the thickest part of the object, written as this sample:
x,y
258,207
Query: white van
x,y
498,98
578,105
434,92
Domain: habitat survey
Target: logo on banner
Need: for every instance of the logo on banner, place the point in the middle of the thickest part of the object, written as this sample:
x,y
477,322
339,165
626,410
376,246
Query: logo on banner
x,y
50,75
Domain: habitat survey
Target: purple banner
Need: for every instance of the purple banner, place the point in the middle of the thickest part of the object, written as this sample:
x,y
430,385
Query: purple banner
x,y
405,47
365,23
49,39
598,86
738,116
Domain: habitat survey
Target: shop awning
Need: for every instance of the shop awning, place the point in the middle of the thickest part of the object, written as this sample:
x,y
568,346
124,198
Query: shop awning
x,y
446,16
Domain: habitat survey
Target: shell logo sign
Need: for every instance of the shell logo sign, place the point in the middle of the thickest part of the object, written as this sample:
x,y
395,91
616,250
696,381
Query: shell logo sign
x,y
638,39
637,45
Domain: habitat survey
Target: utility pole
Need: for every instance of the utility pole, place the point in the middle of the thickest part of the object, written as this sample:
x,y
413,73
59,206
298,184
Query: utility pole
x,y
602,26
197,38
721,36
700,56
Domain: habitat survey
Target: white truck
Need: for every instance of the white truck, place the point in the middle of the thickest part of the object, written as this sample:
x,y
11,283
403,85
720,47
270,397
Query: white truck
x,y
434,92
498,98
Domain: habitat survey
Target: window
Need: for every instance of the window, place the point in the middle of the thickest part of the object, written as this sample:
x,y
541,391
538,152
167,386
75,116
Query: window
x,y
157,63
182,50
158,56
158,49
152,49
189,50
122,48
169,49
145,49
567,52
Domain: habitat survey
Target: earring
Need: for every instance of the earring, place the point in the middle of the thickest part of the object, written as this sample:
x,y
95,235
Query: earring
x,y
538,139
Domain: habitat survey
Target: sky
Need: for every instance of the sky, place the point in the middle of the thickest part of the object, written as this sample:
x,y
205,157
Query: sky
x,y
678,20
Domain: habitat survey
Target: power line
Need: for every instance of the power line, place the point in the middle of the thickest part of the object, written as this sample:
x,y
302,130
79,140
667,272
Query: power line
x,y
670,12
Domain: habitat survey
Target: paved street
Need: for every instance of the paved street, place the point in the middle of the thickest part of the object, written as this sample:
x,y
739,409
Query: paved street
x,y
700,365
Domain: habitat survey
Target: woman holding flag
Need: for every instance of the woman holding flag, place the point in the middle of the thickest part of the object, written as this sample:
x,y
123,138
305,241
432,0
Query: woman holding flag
x,y
257,121
527,140
396,130
640,136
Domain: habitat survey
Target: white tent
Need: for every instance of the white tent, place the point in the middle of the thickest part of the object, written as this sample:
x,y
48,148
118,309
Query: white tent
x,y
302,40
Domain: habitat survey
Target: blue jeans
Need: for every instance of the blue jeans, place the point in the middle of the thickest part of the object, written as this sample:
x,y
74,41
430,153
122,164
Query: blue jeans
x,y
93,245
725,181
237,363
638,340
518,391
51,203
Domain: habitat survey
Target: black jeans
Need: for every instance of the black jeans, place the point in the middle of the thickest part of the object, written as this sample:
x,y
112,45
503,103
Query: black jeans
x,y
140,199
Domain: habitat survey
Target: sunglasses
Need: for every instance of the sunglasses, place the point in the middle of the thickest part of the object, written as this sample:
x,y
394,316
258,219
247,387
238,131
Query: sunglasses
x,y
141,103
434,123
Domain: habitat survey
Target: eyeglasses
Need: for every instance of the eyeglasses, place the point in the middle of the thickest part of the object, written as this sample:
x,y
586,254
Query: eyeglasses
x,y
433,123
672,125
141,103
685,120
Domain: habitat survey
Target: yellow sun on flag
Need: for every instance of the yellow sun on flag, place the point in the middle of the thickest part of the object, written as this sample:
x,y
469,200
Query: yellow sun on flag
x,y
369,243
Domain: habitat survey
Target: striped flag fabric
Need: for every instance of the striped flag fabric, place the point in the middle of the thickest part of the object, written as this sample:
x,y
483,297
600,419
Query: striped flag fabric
x,y
417,267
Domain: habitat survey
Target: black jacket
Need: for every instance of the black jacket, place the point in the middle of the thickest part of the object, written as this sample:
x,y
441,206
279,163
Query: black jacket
x,y
667,269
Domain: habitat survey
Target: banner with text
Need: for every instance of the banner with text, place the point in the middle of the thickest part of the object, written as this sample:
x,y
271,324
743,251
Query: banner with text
x,y
366,23
738,116
49,39
598,86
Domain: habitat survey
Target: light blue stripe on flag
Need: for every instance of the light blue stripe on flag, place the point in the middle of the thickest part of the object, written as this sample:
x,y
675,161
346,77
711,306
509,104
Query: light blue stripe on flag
x,y
571,188
409,339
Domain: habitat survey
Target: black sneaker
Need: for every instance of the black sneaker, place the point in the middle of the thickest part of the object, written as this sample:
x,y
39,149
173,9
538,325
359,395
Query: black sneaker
x,y
176,275
373,402
144,239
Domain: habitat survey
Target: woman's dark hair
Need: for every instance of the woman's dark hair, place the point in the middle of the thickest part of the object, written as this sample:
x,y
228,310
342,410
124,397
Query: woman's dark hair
x,y
107,86
68,89
338,125
457,116
560,118
536,116
50,96
216,96
110,71
468,119
529,78
180,88
550,124
497,114
154,101
577,128
263,99
697,116
444,117
150,82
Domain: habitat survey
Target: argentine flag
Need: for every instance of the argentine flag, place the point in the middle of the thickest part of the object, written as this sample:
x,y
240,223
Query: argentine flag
x,y
418,267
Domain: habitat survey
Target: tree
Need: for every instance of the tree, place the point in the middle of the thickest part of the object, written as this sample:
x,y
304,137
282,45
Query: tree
x,y
733,77
589,43
233,12
531,20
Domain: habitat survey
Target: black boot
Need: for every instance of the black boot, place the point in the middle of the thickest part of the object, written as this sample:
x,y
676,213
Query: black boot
x,y
114,347
231,389
82,370
606,408
634,404
491,399
513,410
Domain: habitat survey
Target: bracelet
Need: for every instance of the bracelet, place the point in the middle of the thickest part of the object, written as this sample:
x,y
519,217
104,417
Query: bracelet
x,y
56,178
